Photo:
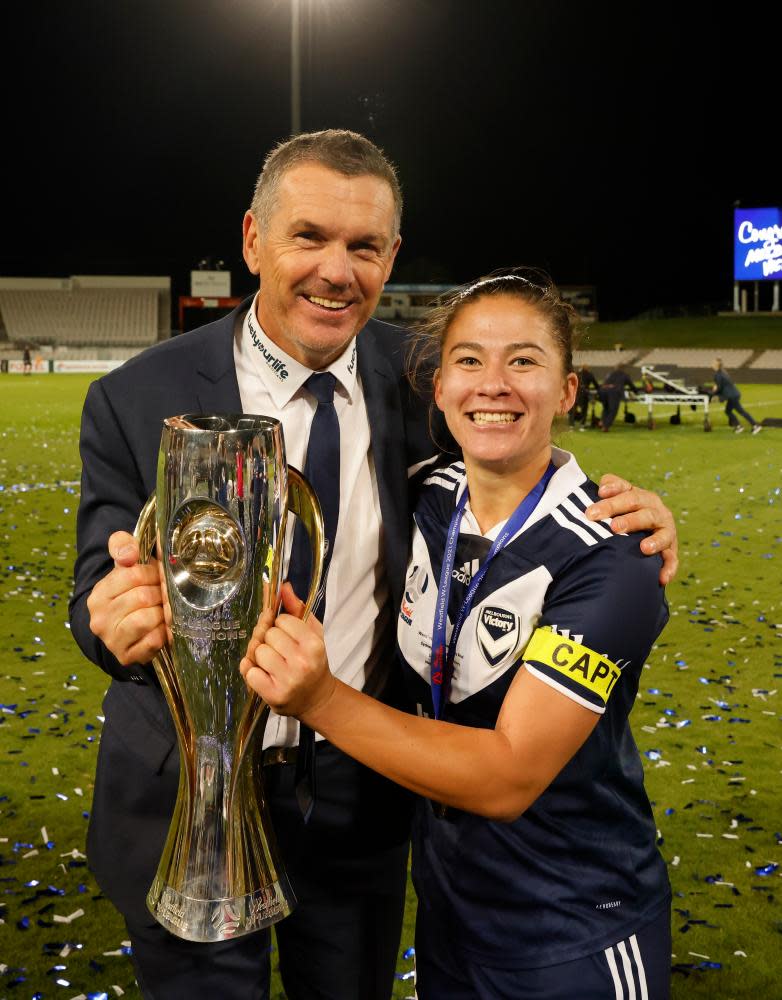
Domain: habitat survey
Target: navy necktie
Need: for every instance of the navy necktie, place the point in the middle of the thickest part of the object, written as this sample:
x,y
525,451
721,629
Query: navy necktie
x,y
321,468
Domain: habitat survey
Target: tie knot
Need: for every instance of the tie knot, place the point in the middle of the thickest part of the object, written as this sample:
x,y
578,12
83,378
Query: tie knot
x,y
321,385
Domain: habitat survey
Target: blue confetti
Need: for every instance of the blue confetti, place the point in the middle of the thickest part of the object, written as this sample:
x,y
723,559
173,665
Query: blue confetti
x,y
766,869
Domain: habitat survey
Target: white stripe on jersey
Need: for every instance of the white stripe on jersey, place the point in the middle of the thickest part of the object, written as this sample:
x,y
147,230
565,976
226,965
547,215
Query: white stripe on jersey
x,y
565,522
640,966
598,709
450,478
619,992
627,980
595,526
412,470
622,949
439,480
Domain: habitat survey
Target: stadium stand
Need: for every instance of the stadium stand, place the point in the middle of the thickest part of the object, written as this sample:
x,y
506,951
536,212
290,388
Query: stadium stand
x,y
768,360
692,357
85,311
604,359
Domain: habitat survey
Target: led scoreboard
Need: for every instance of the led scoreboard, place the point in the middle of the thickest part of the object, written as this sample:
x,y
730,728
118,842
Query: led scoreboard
x,y
757,244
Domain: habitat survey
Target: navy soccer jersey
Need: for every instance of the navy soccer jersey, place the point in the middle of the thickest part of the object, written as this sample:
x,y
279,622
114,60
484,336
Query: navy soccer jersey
x,y
579,607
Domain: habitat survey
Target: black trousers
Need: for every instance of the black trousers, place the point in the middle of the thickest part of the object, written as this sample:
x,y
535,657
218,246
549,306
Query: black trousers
x,y
611,400
348,869
732,407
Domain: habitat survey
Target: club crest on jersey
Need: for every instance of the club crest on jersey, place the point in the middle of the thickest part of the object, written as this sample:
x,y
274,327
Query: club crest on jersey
x,y
416,585
497,632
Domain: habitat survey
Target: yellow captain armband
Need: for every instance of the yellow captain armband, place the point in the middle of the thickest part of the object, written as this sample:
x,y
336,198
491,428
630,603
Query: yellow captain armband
x,y
584,675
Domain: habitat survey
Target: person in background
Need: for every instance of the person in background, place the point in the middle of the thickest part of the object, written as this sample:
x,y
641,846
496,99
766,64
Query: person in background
x,y
523,632
727,392
580,410
612,392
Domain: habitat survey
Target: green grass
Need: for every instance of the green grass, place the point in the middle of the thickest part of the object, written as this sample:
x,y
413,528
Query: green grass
x,y
715,783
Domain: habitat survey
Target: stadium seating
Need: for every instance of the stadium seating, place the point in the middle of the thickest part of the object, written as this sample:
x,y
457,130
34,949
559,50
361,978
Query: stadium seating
x,y
768,359
84,316
693,357
604,359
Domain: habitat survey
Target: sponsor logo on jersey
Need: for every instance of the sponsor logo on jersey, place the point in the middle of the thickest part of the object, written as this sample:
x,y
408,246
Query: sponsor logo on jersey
x,y
417,582
466,571
352,362
276,364
497,632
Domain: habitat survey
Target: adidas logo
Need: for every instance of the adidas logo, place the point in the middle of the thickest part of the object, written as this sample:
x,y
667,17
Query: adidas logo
x,y
466,572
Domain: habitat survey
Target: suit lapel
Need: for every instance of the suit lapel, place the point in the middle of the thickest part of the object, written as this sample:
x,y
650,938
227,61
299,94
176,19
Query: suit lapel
x,y
386,423
217,389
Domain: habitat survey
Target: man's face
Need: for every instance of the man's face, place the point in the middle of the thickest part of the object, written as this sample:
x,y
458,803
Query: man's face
x,y
323,259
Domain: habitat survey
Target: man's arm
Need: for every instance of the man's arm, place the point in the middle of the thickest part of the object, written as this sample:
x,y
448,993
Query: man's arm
x,y
634,509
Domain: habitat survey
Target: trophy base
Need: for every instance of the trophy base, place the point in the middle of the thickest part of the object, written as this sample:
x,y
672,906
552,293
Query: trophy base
x,y
212,920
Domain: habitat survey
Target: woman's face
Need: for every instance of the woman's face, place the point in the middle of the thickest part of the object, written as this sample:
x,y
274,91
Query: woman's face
x,y
501,382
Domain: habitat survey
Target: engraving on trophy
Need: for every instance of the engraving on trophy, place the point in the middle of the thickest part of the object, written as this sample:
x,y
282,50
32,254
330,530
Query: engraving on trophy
x,y
219,627
206,553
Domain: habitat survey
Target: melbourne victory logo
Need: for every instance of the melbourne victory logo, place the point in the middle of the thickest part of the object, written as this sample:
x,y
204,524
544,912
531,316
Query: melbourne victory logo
x,y
497,632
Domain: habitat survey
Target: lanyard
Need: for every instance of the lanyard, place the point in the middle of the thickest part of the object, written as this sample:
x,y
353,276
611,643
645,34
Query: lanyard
x,y
442,659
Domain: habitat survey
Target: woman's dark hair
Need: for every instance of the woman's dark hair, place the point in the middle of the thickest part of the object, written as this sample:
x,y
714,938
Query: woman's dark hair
x,y
526,284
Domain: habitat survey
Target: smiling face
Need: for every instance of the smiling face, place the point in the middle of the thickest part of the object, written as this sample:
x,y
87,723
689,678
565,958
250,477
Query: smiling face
x,y
323,259
501,383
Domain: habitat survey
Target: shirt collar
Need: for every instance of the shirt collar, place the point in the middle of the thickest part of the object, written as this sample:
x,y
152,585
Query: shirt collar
x,y
283,376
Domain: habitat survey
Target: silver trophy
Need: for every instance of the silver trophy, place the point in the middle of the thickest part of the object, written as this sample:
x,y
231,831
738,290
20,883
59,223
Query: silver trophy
x,y
218,518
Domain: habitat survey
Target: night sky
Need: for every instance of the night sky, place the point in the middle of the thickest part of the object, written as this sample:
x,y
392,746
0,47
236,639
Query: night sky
x,y
604,142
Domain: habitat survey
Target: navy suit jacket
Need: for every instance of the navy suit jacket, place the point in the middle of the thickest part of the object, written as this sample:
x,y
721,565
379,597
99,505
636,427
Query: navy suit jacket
x,y
120,438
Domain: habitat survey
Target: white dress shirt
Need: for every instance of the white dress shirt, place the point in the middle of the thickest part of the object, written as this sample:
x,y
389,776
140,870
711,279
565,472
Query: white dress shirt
x,y
358,617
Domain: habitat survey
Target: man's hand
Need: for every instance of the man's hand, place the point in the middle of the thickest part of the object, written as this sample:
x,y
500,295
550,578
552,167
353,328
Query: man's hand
x,y
635,509
126,606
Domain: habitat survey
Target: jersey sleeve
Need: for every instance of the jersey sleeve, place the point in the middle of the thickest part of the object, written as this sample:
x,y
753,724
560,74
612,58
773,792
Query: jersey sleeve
x,y
601,615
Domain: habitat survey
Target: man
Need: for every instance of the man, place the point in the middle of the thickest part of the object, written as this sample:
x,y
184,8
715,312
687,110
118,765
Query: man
x,y
612,392
580,409
322,235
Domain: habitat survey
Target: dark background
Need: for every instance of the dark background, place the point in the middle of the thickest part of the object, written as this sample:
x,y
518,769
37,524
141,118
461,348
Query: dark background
x,y
604,142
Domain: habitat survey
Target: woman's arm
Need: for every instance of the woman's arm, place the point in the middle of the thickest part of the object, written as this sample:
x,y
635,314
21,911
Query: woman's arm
x,y
495,773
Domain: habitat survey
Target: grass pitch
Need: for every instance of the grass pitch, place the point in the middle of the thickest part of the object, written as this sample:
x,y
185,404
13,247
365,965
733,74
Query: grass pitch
x,y
707,720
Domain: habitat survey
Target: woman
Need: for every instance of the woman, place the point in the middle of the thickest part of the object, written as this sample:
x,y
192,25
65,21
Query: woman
x,y
726,391
534,853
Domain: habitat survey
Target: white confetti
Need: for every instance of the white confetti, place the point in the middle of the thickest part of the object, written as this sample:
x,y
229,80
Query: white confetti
x,y
66,920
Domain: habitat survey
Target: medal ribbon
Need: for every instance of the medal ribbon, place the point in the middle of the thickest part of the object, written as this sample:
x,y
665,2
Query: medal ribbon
x,y
443,658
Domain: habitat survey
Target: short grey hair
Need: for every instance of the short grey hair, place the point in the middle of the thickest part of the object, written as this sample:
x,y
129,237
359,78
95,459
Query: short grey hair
x,y
341,150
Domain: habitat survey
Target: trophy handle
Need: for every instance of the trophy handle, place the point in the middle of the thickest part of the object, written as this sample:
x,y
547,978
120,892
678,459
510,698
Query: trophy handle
x,y
145,534
304,503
